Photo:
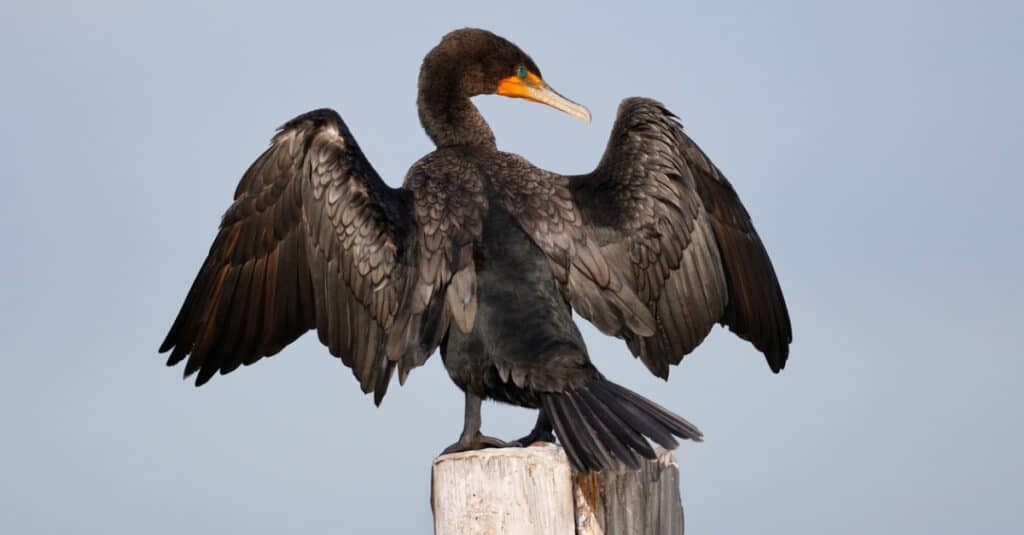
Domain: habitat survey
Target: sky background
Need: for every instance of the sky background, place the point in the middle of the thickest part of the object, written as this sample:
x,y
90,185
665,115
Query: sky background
x,y
877,146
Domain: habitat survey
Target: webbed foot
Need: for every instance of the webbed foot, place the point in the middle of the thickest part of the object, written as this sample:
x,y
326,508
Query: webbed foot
x,y
477,441
542,432
535,436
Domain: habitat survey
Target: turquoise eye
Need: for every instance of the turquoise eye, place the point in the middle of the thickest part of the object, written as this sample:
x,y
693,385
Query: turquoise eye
x,y
521,72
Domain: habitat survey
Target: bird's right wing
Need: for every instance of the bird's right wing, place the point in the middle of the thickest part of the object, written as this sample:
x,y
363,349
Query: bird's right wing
x,y
313,239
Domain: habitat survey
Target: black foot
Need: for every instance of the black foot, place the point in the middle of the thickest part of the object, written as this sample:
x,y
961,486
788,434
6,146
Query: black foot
x,y
542,432
475,442
535,436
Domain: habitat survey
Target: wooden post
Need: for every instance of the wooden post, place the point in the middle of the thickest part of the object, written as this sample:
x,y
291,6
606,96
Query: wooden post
x,y
631,501
528,491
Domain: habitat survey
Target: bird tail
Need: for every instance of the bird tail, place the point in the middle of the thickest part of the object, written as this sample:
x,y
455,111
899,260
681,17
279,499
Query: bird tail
x,y
602,425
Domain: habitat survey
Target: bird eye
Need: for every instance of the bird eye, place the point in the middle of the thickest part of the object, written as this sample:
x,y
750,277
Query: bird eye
x,y
521,72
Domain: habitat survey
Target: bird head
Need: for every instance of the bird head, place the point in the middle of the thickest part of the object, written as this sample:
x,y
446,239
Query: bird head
x,y
477,62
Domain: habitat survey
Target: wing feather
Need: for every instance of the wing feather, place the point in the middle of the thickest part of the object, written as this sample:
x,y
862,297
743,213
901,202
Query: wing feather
x,y
673,230
313,240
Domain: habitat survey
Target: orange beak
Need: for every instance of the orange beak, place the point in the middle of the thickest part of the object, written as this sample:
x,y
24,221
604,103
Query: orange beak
x,y
533,88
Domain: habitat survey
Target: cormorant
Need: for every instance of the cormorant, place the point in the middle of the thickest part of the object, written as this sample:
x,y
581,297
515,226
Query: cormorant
x,y
485,256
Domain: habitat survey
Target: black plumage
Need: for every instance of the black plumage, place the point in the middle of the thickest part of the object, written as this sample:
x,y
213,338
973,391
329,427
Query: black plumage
x,y
485,256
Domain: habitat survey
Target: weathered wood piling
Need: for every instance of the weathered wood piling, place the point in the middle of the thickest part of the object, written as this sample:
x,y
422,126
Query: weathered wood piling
x,y
533,491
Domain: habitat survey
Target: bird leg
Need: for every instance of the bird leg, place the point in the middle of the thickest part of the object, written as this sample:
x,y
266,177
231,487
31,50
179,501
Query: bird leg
x,y
471,438
542,432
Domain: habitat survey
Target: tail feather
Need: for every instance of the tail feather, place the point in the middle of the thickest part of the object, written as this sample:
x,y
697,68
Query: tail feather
x,y
677,424
587,428
641,421
558,422
629,437
603,426
607,437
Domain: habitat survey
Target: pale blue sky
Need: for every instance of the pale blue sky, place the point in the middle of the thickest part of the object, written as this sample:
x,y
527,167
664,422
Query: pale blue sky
x,y
878,147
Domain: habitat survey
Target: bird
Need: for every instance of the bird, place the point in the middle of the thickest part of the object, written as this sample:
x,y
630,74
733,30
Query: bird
x,y
487,258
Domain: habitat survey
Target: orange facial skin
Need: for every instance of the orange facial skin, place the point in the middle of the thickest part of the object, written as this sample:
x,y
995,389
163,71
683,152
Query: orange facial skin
x,y
514,86
532,87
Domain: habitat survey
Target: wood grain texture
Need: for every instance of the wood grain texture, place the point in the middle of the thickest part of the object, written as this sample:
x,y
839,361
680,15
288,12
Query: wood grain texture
x,y
527,491
512,491
646,500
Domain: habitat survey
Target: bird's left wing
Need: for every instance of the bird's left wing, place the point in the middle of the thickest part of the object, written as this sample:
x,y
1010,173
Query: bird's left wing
x,y
655,247
313,239
669,221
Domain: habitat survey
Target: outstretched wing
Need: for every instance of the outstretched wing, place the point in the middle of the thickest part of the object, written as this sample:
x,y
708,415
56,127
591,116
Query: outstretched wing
x,y
669,223
314,239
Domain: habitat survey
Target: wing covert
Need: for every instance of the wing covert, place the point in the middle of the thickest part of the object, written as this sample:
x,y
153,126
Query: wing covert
x,y
667,220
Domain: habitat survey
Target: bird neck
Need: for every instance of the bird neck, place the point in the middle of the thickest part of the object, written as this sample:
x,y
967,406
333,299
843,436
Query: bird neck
x,y
446,112
454,121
